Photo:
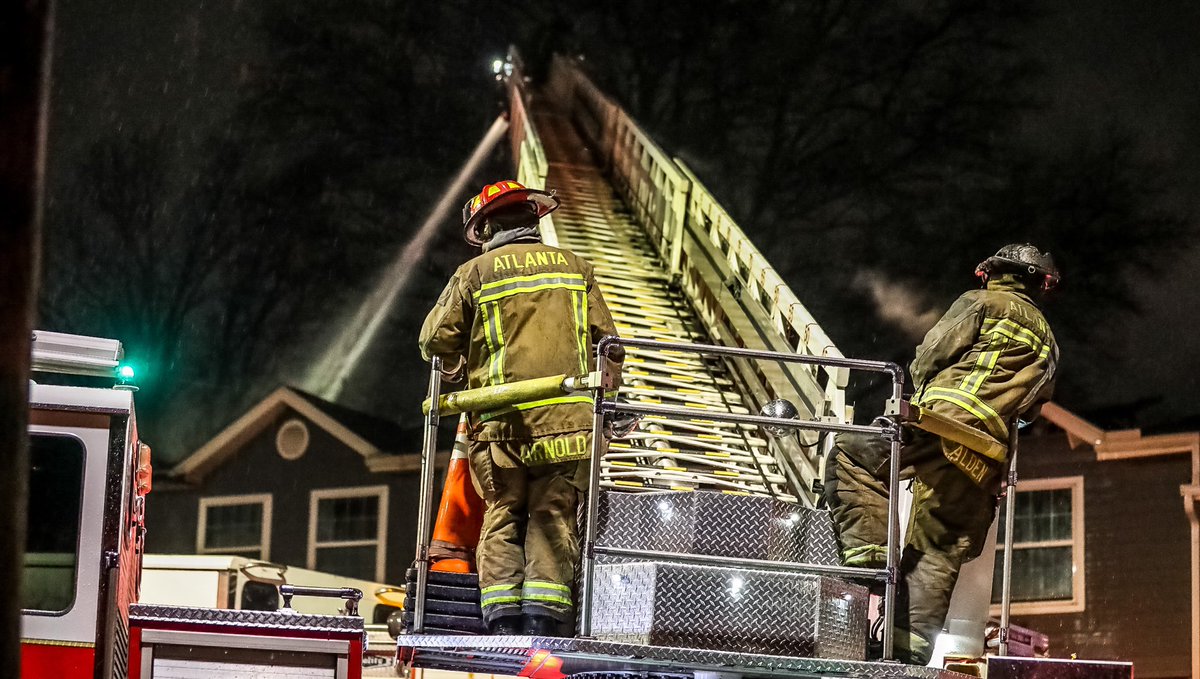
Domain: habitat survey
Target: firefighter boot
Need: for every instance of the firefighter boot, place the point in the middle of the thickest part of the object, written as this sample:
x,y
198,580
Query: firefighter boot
x,y
507,626
541,626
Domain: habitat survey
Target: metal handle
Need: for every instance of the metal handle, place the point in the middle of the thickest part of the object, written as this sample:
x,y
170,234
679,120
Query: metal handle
x,y
425,503
1010,508
350,594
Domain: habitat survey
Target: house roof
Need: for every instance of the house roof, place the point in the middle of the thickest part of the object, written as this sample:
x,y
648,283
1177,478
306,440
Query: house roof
x,y
385,435
376,439
1121,444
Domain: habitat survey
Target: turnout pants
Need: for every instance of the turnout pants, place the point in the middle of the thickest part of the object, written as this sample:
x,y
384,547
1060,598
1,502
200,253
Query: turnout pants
x,y
529,546
947,527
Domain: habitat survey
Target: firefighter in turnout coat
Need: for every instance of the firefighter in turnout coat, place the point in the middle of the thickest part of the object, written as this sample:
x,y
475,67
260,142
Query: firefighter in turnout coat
x,y
990,360
523,310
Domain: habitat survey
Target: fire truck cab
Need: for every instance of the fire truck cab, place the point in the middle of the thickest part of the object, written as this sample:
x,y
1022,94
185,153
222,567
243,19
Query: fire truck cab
x,y
85,530
89,474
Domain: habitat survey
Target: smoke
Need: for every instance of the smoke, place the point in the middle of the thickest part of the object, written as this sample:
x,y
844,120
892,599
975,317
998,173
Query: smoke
x,y
898,304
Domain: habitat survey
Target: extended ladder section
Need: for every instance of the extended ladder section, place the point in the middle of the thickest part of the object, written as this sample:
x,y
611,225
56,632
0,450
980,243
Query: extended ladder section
x,y
673,266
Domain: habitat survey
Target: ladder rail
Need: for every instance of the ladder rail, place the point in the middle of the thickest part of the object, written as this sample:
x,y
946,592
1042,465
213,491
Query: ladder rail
x,y
696,278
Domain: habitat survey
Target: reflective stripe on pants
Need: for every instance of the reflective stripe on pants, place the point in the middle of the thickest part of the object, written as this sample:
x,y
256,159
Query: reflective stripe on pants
x,y
498,601
529,547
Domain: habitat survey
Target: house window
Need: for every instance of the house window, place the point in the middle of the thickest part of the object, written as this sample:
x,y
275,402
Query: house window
x,y
347,530
239,525
1048,548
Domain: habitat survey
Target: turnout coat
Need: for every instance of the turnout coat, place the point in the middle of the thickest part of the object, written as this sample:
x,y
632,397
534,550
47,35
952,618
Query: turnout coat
x,y
521,311
990,359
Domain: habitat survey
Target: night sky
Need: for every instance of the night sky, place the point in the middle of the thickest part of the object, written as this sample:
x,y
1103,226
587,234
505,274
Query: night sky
x,y
135,63
1138,62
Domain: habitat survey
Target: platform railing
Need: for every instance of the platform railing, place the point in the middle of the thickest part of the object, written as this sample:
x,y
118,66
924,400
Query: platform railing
x,y
426,492
888,428
897,414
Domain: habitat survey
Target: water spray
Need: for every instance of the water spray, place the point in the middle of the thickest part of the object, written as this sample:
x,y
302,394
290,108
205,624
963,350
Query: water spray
x,y
329,376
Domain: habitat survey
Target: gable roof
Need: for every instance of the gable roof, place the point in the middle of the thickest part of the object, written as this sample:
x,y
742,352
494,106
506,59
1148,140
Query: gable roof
x,y
385,435
1121,444
365,434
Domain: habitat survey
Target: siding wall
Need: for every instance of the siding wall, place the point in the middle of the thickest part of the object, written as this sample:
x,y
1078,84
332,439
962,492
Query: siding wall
x,y
172,515
1138,567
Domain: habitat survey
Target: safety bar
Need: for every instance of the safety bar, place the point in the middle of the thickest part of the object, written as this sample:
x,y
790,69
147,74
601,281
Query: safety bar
x,y
761,420
889,430
499,396
760,564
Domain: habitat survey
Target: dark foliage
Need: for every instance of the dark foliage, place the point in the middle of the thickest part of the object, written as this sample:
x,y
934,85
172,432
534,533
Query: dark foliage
x,y
869,145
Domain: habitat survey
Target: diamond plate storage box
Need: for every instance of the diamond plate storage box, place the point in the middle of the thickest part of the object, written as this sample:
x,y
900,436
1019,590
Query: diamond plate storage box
x,y
710,607
717,524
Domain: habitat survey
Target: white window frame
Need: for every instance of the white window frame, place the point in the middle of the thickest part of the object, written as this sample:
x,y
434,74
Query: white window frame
x,y
264,546
380,541
1078,601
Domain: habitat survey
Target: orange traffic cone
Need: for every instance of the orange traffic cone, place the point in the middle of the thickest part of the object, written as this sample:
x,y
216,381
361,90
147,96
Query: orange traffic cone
x,y
460,515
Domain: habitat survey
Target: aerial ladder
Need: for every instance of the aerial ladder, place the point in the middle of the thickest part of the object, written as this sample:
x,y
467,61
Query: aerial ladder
x,y
673,266
715,341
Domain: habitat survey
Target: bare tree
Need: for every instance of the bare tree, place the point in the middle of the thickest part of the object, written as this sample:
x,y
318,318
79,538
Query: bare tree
x,y
878,141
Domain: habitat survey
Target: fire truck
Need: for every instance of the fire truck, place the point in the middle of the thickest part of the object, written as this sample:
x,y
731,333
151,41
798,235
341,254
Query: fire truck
x,y
88,479
705,550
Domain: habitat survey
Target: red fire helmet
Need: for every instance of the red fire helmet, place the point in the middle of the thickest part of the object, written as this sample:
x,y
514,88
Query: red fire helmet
x,y
496,196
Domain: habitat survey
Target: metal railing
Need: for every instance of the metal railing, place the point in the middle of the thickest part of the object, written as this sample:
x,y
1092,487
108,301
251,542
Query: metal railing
x,y
528,154
425,498
738,296
651,184
887,428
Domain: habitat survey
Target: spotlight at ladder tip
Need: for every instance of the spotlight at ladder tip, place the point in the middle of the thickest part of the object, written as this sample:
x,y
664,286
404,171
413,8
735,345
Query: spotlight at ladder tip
x,y
780,409
497,66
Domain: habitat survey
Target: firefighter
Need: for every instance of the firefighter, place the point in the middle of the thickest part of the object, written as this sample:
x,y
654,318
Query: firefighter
x,y
990,360
522,310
